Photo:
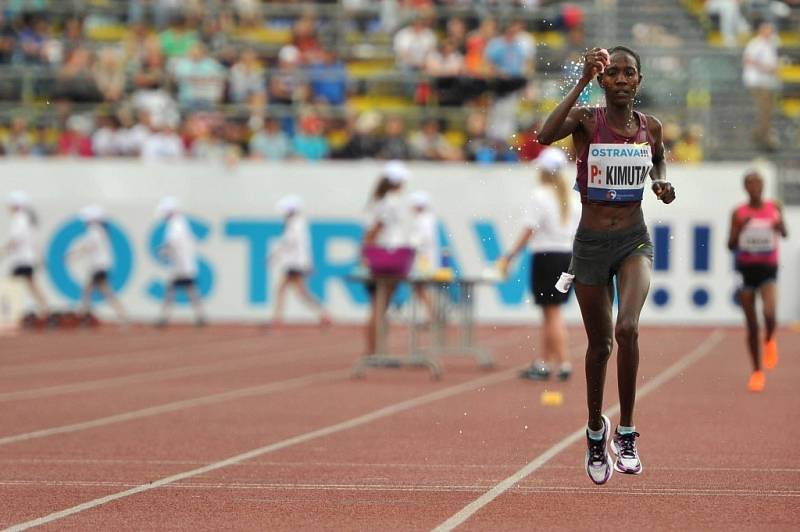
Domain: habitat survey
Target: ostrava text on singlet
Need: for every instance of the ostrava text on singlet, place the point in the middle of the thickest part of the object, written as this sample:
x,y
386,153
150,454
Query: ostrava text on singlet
x,y
614,169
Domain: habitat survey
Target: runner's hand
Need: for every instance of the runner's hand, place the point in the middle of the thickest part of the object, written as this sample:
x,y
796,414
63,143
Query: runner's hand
x,y
595,61
664,191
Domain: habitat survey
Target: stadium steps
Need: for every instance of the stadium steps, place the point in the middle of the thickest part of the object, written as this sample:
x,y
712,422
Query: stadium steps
x,y
672,16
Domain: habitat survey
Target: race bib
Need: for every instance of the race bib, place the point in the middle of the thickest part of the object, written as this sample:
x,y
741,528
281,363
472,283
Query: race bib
x,y
758,236
618,172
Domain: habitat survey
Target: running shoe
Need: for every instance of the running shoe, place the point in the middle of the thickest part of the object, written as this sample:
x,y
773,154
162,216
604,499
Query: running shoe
x,y
624,446
538,371
770,354
564,372
598,461
756,382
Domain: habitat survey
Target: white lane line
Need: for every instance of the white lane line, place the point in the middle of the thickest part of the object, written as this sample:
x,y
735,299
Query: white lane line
x,y
158,375
431,488
675,369
367,465
289,442
150,353
251,391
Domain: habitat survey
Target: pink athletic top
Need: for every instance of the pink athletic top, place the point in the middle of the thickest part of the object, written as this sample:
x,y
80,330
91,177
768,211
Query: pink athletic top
x,y
758,240
613,169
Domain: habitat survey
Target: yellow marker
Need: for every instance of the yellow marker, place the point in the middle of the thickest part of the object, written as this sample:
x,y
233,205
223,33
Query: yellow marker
x,y
552,398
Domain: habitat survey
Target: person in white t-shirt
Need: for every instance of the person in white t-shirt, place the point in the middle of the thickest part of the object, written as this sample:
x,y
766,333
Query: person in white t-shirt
x,y
179,249
293,252
22,248
551,219
760,76
96,246
425,239
385,228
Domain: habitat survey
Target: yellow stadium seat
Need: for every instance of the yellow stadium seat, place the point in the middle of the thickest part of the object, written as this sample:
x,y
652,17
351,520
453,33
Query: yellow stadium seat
x,y
455,137
789,73
381,103
263,35
791,107
111,33
553,39
362,69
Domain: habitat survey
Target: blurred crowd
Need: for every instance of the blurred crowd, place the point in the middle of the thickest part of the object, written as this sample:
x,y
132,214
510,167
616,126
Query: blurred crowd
x,y
178,84
737,19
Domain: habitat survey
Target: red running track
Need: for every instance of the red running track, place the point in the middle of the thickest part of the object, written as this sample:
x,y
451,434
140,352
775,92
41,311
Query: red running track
x,y
239,428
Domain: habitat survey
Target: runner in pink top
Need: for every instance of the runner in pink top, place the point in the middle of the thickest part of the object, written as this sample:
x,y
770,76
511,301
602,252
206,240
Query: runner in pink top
x,y
755,230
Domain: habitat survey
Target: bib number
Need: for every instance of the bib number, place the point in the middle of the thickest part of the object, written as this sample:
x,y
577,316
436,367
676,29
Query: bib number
x,y
618,172
757,236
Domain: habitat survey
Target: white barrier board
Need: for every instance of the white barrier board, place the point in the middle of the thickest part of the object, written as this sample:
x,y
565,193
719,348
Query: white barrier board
x,y
233,215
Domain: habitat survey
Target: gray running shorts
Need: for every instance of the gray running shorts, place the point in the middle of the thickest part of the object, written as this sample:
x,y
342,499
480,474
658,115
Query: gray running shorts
x,y
597,255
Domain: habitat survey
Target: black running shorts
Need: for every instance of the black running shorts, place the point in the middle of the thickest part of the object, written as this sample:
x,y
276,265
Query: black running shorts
x,y
754,276
597,255
546,268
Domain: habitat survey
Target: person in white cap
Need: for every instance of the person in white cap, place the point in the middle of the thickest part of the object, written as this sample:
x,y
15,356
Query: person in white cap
x,y
22,247
385,228
179,249
425,239
551,220
96,245
293,251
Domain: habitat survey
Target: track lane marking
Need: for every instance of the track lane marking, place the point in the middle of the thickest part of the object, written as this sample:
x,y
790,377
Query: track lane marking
x,y
342,426
251,391
656,382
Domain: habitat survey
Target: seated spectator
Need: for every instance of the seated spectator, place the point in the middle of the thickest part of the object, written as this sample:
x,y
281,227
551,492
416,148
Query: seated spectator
x,y
247,80
31,40
106,139
365,141
506,55
44,141
527,142
178,39
271,142
475,59
138,43
689,149
75,140
395,145
413,43
309,143
570,21
216,33
162,144
429,144
109,74
446,66
304,37
670,134
72,34
8,39
18,141
287,84
208,144
200,79
328,78
479,148
149,71
132,133
75,81
456,33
